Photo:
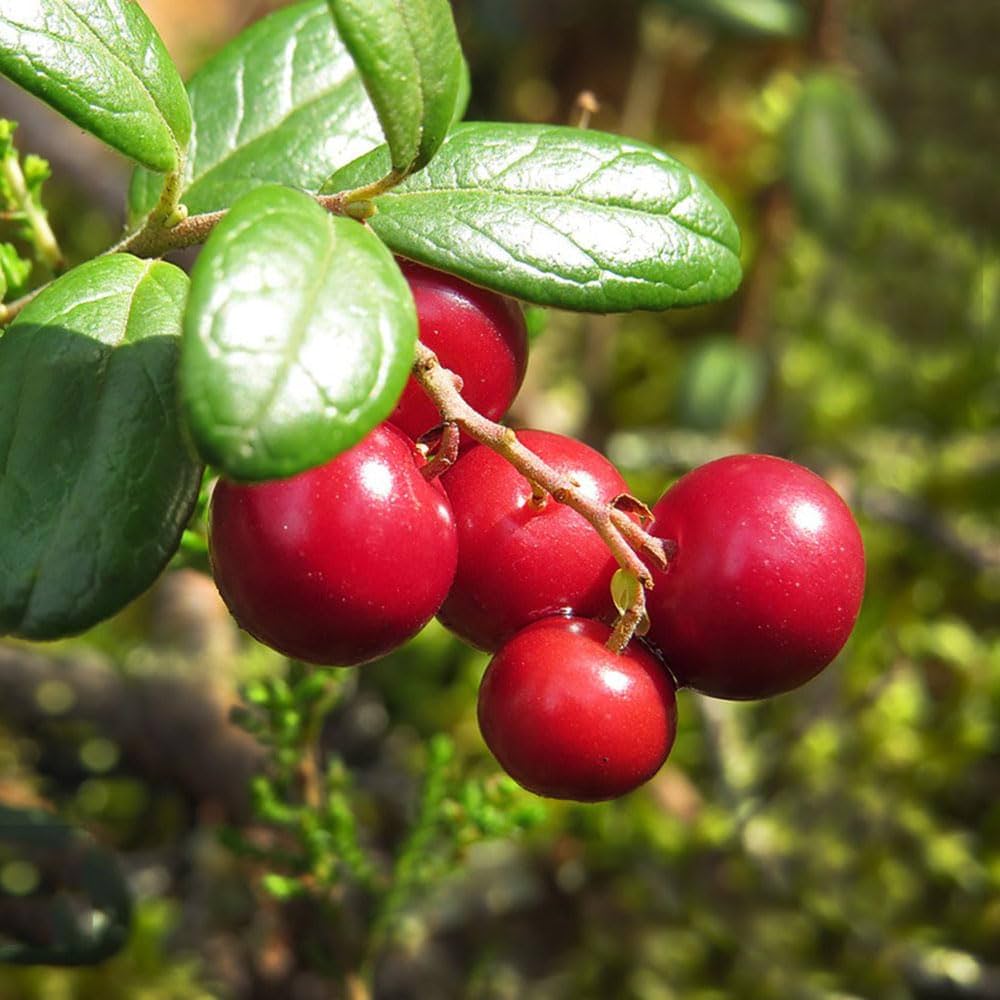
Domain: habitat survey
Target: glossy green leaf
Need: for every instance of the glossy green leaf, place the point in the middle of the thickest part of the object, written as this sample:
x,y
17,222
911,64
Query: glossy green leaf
x,y
101,64
560,217
782,18
96,480
282,103
298,339
411,64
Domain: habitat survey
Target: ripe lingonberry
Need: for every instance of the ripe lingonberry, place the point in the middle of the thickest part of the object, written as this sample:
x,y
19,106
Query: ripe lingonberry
x,y
477,334
568,718
517,560
766,581
340,564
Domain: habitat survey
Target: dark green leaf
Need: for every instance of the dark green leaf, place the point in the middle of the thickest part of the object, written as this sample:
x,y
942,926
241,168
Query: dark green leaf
x,y
835,142
97,481
282,103
298,339
818,162
102,65
560,217
411,63
81,897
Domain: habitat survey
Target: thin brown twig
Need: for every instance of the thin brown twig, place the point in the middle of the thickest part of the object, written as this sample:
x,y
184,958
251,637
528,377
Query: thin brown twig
x,y
585,106
628,622
445,455
10,309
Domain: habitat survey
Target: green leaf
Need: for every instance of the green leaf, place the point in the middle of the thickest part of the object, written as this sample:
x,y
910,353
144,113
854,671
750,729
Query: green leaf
x,y
298,339
282,103
835,142
560,217
101,64
781,18
97,481
412,67
817,156
463,94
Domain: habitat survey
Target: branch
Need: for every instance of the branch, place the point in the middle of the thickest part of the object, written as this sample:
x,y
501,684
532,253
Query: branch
x,y
9,310
155,241
622,535
628,622
156,238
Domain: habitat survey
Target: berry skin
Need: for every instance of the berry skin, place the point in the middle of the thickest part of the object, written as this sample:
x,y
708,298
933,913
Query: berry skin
x,y
518,562
339,564
766,582
569,719
477,334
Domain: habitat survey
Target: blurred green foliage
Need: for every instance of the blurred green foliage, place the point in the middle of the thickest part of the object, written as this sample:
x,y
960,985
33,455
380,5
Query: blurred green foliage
x,y
841,841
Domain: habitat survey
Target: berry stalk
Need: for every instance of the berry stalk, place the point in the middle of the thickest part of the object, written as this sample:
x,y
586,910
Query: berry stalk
x,y
623,536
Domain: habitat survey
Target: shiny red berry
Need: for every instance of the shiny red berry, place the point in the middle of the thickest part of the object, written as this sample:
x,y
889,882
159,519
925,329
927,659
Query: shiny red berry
x,y
568,718
766,582
477,334
518,562
340,564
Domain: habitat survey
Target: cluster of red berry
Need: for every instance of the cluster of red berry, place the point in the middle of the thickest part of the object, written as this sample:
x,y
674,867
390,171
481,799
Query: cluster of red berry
x,y
340,564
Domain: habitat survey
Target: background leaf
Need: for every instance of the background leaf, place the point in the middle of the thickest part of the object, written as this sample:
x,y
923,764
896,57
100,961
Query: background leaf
x,y
298,338
81,894
721,384
747,17
97,481
282,103
412,66
560,217
835,143
101,64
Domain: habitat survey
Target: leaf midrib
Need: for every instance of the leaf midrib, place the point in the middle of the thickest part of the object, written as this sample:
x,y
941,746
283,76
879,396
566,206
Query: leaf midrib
x,y
397,195
300,333
268,133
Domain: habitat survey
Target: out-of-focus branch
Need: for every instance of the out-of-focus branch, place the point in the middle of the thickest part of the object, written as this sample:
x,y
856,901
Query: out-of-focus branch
x,y
168,729
929,524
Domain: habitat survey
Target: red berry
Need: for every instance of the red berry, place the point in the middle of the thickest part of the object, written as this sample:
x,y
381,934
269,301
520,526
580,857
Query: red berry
x,y
766,582
477,334
518,562
340,564
568,718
